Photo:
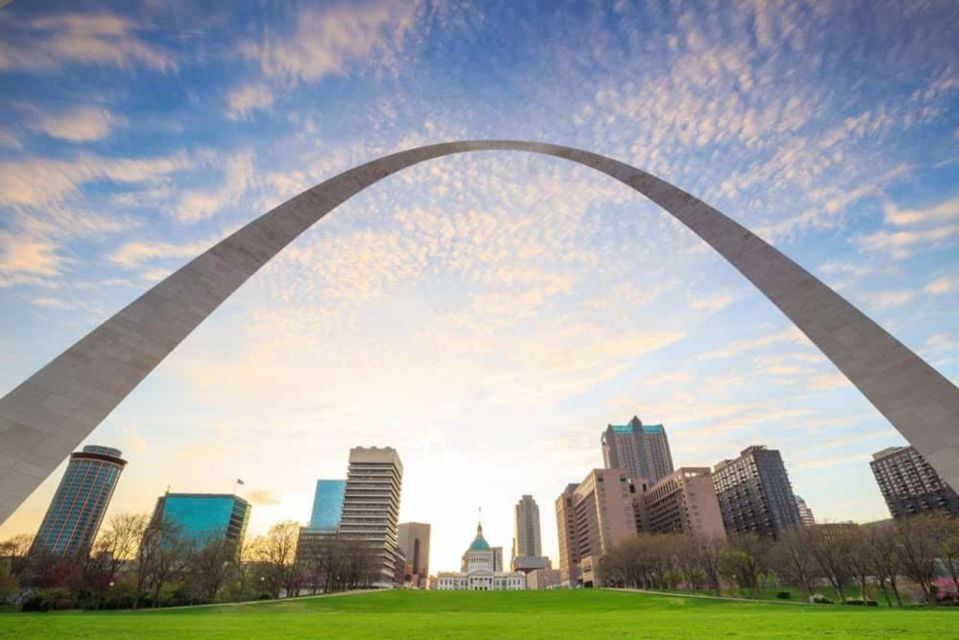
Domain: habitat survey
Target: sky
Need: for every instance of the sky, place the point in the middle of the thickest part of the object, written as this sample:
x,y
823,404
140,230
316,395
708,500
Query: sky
x,y
489,314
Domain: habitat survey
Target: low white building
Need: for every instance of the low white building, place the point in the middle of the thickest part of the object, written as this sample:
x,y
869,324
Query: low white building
x,y
482,570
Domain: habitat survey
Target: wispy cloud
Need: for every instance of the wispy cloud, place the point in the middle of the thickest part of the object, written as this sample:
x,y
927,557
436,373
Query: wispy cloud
x,y
50,42
886,299
242,101
940,285
203,203
330,40
84,124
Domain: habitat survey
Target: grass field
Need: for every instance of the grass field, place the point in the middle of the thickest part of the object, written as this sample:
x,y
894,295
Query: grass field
x,y
528,615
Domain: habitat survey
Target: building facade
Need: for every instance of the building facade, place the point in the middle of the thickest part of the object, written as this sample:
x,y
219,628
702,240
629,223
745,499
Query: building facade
x,y
371,506
413,539
805,513
481,570
592,518
566,533
527,552
74,516
327,505
640,450
199,517
543,579
754,493
910,485
684,502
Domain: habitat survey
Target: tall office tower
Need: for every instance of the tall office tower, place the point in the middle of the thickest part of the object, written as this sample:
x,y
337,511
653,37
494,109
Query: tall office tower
x,y
371,505
566,532
77,509
602,517
754,493
200,517
805,513
527,543
413,539
642,450
327,505
910,485
684,502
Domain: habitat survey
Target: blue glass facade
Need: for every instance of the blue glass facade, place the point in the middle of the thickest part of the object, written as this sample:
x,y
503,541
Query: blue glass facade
x,y
327,505
77,509
200,516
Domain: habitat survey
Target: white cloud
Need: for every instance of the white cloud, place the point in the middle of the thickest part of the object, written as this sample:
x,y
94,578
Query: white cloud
x,y
331,40
26,255
39,182
242,101
204,203
711,303
902,244
946,210
939,286
791,334
80,125
886,299
136,252
9,140
53,41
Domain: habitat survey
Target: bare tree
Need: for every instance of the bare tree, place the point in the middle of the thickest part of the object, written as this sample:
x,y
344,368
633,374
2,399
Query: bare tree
x,y
164,555
881,543
17,549
211,564
793,558
832,548
743,561
276,555
916,550
948,536
117,543
708,550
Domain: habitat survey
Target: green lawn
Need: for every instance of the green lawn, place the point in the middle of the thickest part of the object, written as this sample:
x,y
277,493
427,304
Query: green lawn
x,y
532,615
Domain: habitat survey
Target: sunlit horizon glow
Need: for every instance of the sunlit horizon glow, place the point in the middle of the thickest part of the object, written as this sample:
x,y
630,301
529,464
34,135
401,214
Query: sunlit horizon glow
x,y
486,315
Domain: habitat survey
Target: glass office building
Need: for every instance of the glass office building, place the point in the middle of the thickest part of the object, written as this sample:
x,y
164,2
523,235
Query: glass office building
x,y
200,516
327,505
77,509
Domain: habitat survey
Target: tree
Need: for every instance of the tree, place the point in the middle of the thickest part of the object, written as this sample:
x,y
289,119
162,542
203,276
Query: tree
x,y
118,542
708,551
833,546
743,561
793,558
211,564
164,554
881,543
948,536
276,555
916,549
16,549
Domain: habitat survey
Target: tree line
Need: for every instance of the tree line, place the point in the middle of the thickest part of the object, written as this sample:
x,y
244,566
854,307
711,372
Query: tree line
x,y
136,563
856,563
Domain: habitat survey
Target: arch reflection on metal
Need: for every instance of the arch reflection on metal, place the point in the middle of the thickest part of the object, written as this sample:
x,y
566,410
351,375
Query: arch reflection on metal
x,y
48,415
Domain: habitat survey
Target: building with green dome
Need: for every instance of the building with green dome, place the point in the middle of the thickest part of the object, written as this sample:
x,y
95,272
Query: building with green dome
x,y
482,570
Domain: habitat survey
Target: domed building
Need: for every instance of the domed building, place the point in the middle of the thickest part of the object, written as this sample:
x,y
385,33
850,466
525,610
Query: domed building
x,y
482,570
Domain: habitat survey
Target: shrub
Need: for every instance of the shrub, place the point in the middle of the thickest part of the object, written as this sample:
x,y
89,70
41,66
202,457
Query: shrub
x,y
49,600
784,595
818,598
861,602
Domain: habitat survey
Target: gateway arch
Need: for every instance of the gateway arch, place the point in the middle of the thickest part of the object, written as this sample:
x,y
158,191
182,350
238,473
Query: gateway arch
x,y
44,418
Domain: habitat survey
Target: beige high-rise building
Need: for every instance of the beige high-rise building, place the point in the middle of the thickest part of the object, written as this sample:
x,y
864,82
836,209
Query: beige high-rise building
x,y
371,505
413,539
527,541
684,502
566,531
593,517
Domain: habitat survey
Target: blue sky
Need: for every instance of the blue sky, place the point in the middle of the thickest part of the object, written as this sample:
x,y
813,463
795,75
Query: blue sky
x,y
486,315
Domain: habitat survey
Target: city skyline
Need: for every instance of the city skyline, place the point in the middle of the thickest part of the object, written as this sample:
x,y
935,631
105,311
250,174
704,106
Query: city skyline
x,y
465,372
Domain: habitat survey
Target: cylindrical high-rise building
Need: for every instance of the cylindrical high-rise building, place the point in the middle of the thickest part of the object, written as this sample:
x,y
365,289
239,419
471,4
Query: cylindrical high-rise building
x,y
82,498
